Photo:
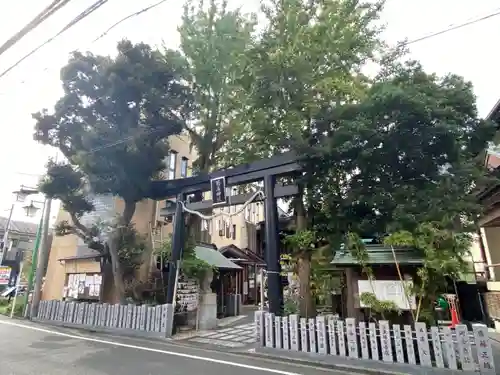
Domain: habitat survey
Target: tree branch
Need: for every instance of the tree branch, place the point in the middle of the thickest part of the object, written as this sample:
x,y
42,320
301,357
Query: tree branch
x,y
78,225
128,212
195,137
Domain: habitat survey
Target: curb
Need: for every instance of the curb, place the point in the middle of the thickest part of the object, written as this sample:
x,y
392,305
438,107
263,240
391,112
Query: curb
x,y
318,363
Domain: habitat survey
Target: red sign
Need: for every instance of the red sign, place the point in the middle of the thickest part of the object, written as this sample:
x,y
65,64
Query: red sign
x,y
5,275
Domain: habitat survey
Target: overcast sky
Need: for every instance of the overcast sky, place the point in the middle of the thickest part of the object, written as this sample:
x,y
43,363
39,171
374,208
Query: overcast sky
x,y
34,84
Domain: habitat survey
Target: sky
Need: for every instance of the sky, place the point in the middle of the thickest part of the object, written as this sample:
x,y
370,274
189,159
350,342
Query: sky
x,y
34,84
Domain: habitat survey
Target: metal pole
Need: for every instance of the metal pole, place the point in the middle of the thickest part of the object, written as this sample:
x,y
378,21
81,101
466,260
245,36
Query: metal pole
x,y
236,276
262,296
34,259
18,283
42,260
6,234
177,245
274,286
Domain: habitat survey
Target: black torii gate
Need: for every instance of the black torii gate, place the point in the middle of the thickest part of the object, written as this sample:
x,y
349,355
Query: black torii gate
x,y
263,170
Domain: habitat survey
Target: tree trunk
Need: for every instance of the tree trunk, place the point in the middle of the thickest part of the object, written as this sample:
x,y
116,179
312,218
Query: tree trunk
x,y
306,304
117,270
193,222
116,266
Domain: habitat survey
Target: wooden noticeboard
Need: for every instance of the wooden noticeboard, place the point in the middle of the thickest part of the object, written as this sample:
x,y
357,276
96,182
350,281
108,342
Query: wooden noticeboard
x,y
83,286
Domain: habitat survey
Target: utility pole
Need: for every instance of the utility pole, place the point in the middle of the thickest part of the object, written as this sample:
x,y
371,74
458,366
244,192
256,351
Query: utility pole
x,y
34,262
5,239
42,260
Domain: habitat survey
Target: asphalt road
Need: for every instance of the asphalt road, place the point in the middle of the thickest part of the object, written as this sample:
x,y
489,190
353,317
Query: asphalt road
x,y
27,349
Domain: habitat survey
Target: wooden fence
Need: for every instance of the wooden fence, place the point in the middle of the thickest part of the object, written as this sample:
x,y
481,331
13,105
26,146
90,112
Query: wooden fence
x,y
439,347
149,320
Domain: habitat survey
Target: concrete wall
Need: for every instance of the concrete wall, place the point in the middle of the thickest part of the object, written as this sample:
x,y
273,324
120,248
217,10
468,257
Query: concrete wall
x,y
62,247
491,241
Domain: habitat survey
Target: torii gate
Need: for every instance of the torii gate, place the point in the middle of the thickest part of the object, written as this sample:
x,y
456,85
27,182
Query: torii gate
x,y
266,171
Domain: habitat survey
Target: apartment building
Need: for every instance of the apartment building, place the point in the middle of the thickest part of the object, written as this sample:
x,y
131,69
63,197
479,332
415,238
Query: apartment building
x,y
74,270
19,247
489,224
238,238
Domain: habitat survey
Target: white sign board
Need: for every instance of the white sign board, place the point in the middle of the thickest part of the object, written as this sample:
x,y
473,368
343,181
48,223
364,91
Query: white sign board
x,y
389,290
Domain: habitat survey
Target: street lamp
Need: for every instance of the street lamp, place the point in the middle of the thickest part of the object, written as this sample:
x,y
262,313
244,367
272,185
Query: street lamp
x,y
31,210
41,239
24,192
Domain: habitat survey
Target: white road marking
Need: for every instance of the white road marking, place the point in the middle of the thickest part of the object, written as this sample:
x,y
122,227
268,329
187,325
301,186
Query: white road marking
x,y
183,355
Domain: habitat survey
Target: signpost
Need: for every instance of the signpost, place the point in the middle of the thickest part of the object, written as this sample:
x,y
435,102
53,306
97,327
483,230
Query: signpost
x,y
5,275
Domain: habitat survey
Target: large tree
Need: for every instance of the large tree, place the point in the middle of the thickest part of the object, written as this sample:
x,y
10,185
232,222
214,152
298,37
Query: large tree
x,y
310,55
112,125
214,40
409,151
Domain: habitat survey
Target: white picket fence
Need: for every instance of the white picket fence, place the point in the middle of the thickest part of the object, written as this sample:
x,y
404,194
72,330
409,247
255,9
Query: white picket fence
x,y
440,347
147,319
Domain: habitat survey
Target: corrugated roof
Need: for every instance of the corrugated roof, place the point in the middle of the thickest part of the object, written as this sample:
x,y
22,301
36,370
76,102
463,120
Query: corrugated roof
x,y
380,254
21,227
214,258
82,257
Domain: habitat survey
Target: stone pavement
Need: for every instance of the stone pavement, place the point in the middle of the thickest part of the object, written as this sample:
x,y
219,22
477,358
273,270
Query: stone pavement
x,y
238,336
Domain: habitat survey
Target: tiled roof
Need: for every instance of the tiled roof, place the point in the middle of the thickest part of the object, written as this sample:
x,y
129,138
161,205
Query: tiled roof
x,y
21,227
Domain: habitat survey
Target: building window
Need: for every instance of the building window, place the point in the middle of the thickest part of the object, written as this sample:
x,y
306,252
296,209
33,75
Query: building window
x,y
204,224
172,161
184,167
228,235
234,231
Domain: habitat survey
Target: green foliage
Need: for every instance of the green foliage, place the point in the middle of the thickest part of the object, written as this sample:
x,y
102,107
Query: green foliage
x,y
290,305
392,186
212,57
111,124
131,247
6,308
191,266
378,306
300,241
309,55
443,253
134,96
355,245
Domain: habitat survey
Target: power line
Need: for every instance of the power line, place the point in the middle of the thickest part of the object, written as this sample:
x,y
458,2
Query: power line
x,y
454,27
33,24
74,21
128,17
450,28
129,138
102,35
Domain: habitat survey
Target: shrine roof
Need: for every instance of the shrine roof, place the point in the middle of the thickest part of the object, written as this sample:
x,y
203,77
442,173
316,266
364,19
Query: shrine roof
x,y
214,258
380,254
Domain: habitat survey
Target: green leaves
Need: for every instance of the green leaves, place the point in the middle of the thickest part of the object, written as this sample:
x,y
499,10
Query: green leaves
x,y
112,125
113,120
191,266
214,41
66,184
301,241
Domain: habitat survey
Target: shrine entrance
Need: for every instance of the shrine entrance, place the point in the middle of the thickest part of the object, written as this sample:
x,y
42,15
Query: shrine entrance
x,y
219,183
